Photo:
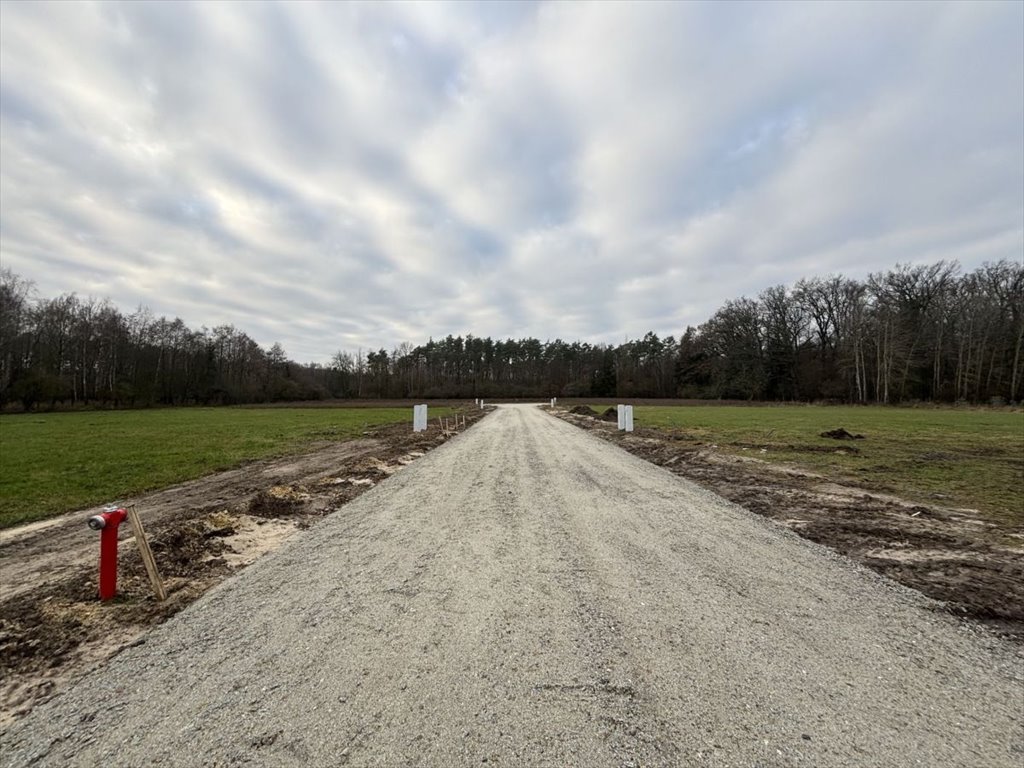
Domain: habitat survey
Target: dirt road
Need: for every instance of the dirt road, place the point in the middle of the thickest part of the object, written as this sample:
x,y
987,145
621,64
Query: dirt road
x,y
528,594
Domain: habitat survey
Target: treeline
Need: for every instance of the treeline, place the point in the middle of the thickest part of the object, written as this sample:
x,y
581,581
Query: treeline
x,y
913,333
72,351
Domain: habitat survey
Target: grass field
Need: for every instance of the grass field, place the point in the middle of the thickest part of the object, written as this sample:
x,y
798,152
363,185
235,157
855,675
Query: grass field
x,y
953,457
54,463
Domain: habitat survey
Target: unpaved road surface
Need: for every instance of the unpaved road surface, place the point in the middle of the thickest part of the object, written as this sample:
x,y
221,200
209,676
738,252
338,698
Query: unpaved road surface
x,y
528,594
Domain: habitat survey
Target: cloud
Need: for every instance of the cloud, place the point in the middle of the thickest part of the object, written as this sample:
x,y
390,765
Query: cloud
x,y
358,175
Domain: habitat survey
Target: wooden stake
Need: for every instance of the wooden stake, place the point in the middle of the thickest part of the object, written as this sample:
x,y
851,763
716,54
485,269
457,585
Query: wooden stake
x,y
147,554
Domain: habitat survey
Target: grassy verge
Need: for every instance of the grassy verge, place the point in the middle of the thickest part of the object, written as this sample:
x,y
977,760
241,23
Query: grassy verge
x,y
54,463
963,458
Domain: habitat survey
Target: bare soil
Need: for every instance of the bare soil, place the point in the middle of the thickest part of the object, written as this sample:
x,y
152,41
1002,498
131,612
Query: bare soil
x,y
52,626
974,565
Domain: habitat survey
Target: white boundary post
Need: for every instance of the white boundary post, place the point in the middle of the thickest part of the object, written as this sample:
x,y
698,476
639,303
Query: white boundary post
x,y
621,412
419,417
628,425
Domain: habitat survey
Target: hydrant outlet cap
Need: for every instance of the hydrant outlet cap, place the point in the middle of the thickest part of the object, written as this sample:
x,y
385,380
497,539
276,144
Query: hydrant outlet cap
x,y
97,523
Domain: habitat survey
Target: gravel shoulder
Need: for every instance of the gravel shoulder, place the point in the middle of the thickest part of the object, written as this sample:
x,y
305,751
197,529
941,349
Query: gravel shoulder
x,y
528,594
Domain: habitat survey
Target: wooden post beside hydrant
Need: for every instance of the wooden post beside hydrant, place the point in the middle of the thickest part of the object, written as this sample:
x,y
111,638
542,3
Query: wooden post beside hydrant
x,y
147,554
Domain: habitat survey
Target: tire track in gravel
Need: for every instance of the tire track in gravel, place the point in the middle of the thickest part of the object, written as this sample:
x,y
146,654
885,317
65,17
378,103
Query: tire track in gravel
x,y
528,594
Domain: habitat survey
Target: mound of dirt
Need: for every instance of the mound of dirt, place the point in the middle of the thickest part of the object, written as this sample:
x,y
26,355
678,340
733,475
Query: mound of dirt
x,y
185,549
610,414
278,501
841,434
374,468
583,410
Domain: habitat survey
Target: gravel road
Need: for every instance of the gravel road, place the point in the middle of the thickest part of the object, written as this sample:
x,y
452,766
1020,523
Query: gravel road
x,y
528,594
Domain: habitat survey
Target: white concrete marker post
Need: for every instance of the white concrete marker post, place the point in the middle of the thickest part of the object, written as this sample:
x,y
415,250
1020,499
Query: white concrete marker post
x,y
628,419
419,417
621,411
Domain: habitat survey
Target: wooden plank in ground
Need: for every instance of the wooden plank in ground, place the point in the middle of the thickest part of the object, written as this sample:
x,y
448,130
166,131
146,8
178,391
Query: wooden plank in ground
x,y
147,553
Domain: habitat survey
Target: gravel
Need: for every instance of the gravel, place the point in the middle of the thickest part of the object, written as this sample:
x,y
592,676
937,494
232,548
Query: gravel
x,y
528,594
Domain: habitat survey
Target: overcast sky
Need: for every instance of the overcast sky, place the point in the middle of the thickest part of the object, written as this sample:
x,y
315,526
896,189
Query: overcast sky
x,y
342,175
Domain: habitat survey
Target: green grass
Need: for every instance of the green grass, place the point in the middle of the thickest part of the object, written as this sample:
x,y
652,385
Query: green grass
x,y
956,457
57,462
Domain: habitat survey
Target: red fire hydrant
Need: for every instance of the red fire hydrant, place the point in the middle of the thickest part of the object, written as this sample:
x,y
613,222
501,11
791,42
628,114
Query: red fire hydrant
x,y
107,523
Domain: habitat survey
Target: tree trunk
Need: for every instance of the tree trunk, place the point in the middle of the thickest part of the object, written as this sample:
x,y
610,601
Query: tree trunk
x,y
1015,377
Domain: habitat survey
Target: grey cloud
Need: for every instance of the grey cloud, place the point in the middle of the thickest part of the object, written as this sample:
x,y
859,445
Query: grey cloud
x,y
345,175
22,110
